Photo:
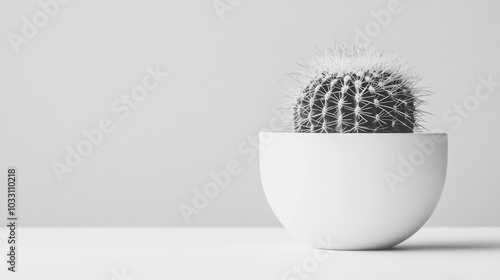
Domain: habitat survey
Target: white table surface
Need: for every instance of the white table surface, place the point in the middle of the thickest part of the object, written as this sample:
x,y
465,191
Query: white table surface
x,y
245,253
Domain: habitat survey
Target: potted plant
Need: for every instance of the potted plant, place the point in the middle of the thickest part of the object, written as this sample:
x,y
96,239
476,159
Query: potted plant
x,y
356,172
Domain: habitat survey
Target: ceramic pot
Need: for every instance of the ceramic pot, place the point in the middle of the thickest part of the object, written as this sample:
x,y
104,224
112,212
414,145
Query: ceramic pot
x,y
353,191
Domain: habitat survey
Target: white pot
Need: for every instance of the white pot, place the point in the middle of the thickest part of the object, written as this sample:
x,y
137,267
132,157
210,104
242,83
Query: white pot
x,y
353,191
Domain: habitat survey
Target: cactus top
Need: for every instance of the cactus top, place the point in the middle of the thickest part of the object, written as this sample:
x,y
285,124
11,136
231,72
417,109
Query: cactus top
x,y
354,89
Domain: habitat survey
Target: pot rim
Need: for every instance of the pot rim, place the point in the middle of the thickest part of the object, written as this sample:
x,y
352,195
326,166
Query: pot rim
x,y
370,133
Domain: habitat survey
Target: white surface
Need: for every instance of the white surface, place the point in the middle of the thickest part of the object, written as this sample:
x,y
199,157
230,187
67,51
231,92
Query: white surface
x,y
330,189
246,253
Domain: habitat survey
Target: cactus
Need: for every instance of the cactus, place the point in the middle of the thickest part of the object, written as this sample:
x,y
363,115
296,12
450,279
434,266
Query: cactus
x,y
353,89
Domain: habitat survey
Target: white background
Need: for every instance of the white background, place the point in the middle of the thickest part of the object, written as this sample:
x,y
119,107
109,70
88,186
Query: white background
x,y
225,73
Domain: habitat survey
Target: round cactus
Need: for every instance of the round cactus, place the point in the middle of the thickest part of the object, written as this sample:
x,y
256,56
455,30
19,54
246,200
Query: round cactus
x,y
355,89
